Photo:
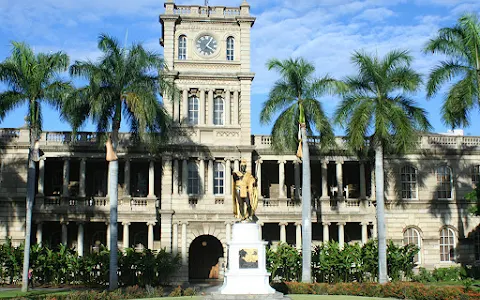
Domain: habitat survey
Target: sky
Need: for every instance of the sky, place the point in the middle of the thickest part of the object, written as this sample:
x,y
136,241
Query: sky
x,y
325,32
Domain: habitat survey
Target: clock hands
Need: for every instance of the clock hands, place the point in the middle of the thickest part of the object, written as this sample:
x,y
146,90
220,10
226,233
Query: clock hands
x,y
207,45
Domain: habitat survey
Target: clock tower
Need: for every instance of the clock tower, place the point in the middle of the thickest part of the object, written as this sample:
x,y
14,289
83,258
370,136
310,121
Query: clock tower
x,y
207,52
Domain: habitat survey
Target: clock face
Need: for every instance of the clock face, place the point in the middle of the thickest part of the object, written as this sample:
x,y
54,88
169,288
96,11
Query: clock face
x,y
206,45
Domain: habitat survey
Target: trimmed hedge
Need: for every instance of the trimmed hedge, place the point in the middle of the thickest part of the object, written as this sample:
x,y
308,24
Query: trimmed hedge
x,y
399,290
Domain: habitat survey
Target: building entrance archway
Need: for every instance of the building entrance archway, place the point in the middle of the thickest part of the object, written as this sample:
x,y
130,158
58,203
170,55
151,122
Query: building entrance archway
x,y
205,250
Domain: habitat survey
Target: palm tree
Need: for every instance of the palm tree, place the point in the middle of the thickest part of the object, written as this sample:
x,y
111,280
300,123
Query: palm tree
x,y
295,98
461,44
124,82
376,112
31,79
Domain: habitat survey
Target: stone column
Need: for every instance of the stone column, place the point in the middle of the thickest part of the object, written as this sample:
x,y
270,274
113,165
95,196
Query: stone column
x,y
201,171
150,234
298,235
364,232
151,179
210,177
126,175
281,178
175,177
228,178
296,166
363,186
39,233
175,238
228,231
66,176
210,107
324,178
184,176
260,225
372,183
341,234
326,232
236,165
227,108
41,177
339,165
202,108
184,243
108,235
80,238
126,235
235,108
283,232
374,230
185,106
259,178
83,171
64,232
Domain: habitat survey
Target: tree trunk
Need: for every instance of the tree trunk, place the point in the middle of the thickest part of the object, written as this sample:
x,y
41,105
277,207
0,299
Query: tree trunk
x,y
113,197
382,239
306,212
28,217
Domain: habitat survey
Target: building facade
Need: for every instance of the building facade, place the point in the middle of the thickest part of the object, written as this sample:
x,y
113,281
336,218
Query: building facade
x,y
181,199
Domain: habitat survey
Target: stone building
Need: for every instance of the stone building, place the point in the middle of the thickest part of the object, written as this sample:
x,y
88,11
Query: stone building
x,y
181,199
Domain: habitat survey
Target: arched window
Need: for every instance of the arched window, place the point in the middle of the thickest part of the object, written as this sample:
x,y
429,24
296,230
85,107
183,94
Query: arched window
x,y
193,179
447,244
412,236
218,111
444,182
193,108
218,178
476,175
230,48
409,182
182,47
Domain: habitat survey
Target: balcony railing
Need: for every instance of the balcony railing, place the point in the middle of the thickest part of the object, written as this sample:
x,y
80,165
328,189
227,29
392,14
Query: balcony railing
x,y
429,141
216,11
94,203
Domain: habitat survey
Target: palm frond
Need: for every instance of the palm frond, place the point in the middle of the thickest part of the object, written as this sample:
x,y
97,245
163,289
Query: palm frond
x,y
443,72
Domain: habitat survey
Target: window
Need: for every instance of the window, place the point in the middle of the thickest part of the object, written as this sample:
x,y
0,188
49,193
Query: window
x,y
193,179
230,48
411,236
218,178
218,111
182,47
476,244
409,182
447,244
476,175
444,183
193,110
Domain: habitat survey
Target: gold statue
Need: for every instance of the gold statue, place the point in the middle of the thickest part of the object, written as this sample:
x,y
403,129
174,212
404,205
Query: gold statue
x,y
245,195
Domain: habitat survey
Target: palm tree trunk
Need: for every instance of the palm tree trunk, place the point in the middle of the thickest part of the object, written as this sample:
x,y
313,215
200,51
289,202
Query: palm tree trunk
x,y
113,197
382,239
28,217
306,211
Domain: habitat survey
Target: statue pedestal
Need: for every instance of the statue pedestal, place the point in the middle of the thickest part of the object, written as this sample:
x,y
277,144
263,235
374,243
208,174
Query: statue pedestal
x,y
247,272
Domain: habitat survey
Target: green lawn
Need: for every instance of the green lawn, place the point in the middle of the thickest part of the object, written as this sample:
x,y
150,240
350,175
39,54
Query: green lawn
x,y
17,293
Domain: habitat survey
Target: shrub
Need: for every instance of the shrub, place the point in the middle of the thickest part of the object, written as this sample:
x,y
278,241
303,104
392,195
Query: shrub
x,y
284,263
177,292
189,292
61,265
399,290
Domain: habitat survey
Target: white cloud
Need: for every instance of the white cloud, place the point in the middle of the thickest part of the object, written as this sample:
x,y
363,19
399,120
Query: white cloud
x,y
375,14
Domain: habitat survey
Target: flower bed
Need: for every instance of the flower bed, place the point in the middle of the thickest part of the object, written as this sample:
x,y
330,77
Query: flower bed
x,y
399,290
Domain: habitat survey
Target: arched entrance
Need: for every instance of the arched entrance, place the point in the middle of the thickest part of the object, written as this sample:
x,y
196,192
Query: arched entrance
x,y
204,253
